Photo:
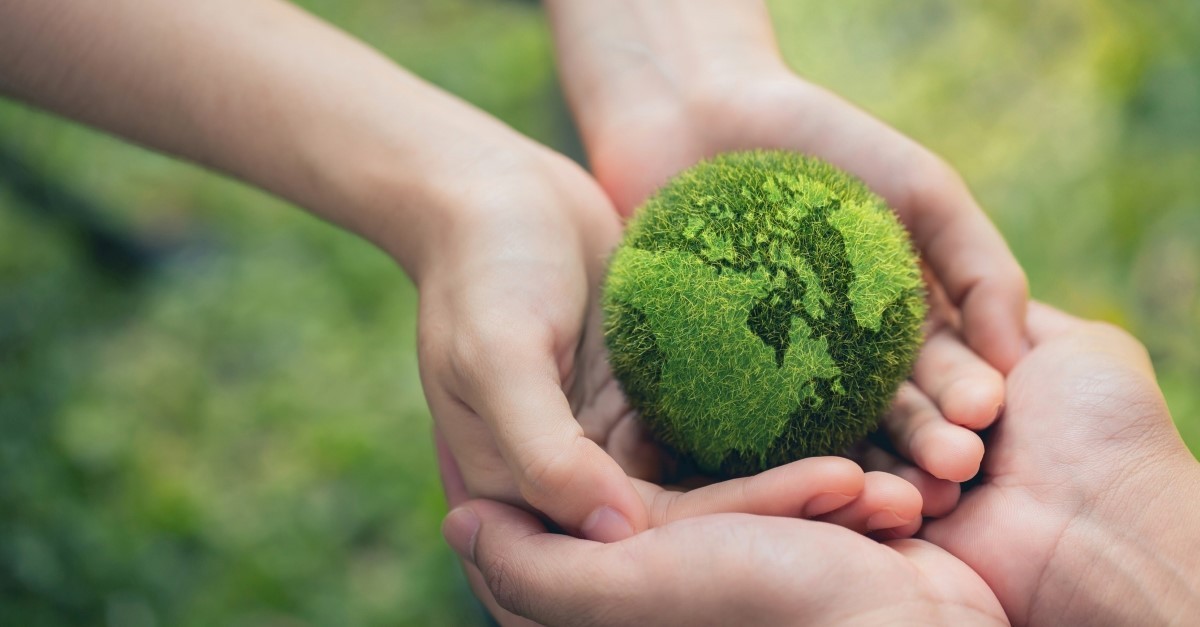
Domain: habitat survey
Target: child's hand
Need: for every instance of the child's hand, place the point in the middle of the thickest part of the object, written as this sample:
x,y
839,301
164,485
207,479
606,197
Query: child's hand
x,y
509,335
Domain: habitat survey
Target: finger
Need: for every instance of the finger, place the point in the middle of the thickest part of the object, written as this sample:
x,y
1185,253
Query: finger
x,y
558,469
966,252
939,497
972,262
545,577
966,389
805,488
452,479
954,581
1046,322
886,502
921,434
479,587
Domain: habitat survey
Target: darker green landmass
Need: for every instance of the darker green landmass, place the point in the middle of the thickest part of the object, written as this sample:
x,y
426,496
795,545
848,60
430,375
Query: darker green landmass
x,y
822,261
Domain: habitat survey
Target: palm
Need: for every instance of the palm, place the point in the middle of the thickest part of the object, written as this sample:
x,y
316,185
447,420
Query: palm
x,y
523,321
723,569
1051,441
781,571
524,308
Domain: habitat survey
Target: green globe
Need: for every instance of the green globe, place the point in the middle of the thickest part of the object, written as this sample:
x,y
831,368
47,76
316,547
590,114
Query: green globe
x,y
763,307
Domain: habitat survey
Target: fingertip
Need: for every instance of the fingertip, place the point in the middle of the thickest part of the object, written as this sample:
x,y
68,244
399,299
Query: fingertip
x,y
836,473
606,524
841,480
975,402
994,321
938,496
824,503
949,452
997,341
584,490
906,530
891,493
460,528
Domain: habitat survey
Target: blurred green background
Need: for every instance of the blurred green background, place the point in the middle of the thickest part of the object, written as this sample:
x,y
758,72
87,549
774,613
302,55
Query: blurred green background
x,y
209,404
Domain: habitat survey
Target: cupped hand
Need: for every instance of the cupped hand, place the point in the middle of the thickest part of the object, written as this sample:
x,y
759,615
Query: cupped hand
x,y
720,569
980,285
656,87
1089,499
634,150
516,374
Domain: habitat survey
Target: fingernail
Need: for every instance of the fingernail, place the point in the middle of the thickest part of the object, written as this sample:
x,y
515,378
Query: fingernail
x,y
826,503
460,529
884,520
606,525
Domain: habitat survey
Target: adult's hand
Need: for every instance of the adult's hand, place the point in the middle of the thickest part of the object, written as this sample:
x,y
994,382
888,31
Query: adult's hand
x,y
722,569
1090,501
657,86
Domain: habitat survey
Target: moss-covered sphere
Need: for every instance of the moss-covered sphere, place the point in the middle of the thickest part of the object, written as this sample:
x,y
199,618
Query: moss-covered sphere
x,y
763,307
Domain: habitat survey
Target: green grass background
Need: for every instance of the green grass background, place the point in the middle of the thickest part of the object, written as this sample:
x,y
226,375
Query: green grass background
x,y
233,433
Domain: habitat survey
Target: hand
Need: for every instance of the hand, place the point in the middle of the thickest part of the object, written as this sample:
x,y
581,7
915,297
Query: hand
x,y
726,569
516,373
1090,501
656,87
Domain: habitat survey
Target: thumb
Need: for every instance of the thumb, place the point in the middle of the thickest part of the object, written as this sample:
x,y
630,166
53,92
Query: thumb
x,y
550,578
558,469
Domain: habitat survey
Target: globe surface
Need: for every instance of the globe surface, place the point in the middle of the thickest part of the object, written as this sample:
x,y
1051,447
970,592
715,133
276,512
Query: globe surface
x,y
762,307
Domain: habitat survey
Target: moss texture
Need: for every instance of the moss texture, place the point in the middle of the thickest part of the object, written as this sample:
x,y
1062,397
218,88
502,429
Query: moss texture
x,y
763,307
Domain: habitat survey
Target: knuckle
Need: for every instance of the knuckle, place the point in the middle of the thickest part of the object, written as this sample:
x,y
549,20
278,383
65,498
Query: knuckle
x,y
474,349
499,573
546,473
922,425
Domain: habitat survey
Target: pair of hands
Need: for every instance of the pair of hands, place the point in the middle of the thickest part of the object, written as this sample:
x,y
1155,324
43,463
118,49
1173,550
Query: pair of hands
x,y
1088,504
512,356
1086,515
506,240
527,410
528,413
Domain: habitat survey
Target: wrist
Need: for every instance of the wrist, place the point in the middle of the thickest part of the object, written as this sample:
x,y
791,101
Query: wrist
x,y
416,204
619,57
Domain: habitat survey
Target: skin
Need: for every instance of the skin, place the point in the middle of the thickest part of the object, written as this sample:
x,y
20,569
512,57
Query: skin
x,y
657,86
1090,501
505,239
702,564
722,569
1087,515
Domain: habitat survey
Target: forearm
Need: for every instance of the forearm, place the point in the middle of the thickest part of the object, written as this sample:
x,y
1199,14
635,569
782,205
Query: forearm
x,y
258,89
621,53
